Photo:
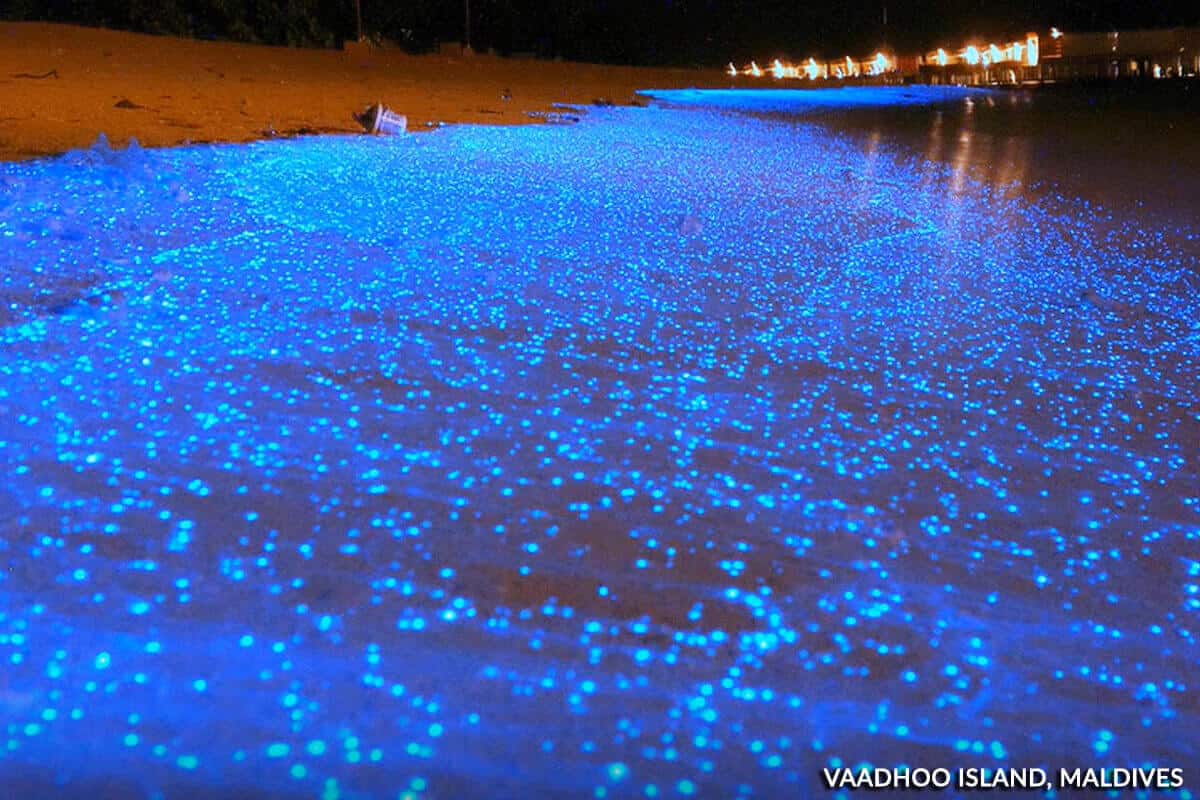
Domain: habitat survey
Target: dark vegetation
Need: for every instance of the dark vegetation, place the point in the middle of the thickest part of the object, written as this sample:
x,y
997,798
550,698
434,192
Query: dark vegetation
x,y
700,32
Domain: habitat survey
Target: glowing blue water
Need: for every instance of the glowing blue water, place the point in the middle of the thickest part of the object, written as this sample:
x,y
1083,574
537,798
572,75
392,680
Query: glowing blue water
x,y
673,453
795,101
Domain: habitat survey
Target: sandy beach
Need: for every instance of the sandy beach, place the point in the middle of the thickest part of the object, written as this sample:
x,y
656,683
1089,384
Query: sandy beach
x,y
61,86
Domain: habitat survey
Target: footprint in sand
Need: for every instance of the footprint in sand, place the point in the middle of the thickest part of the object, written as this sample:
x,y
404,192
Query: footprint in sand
x,y
690,225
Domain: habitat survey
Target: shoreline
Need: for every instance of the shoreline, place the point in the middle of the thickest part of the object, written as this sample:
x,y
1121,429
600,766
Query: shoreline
x,y
61,86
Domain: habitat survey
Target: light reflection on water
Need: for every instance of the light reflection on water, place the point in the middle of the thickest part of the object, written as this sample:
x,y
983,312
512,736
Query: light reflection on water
x,y
1132,153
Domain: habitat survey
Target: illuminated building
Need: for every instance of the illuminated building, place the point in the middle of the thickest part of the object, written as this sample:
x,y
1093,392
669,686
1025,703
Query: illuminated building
x,y
1053,55
1068,56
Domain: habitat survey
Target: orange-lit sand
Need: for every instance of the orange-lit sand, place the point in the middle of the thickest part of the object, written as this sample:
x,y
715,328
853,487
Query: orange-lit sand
x,y
61,86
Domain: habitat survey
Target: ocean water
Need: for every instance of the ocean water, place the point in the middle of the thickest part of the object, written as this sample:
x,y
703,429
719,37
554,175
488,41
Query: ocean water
x,y
682,452
1128,148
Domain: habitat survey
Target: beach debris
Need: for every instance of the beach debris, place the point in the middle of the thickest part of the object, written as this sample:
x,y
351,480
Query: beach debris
x,y
553,117
125,102
36,77
506,95
380,119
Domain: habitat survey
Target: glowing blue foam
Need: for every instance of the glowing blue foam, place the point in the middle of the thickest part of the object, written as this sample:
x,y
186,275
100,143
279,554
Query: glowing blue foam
x,y
671,454
800,100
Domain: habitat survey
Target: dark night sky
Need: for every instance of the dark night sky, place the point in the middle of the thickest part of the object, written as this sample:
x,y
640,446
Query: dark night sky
x,y
713,31
702,32
764,27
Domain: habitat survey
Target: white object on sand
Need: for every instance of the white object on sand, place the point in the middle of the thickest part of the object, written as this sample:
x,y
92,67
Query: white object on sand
x,y
381,119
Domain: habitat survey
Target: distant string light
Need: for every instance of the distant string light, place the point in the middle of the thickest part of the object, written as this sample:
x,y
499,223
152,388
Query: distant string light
x,y
1026,53
878,64
780,71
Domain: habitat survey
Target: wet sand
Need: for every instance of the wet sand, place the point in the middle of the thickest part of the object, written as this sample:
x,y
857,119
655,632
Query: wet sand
x,y
61,86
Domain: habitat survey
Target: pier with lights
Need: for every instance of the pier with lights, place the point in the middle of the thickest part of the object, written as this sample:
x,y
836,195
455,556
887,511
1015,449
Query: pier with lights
x,y
1037,57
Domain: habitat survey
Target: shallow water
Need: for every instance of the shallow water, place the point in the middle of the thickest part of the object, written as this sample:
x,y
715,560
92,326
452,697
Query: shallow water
x,y
1128,149
676,453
